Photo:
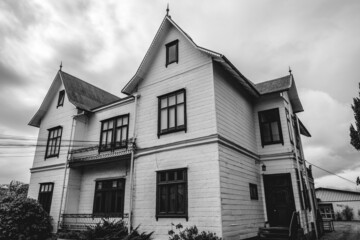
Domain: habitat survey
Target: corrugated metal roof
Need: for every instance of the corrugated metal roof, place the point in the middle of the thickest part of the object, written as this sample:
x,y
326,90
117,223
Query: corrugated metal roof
x,y
336,195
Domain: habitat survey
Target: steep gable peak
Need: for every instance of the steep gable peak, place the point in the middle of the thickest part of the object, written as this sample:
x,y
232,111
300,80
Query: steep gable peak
x,y
81,94
165,26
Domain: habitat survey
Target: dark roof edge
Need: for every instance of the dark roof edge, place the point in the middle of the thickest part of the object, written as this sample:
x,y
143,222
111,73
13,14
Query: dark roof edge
x,y
337,190
114,102
240,74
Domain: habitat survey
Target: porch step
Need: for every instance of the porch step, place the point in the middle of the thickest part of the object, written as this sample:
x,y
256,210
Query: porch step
x,y
273,233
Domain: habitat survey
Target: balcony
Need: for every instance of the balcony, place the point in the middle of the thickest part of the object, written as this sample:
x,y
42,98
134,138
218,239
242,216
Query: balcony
x,y
91,155
81,221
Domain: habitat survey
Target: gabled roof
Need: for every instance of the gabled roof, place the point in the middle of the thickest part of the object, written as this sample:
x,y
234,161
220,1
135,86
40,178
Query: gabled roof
x,y
285,83
275,85
81,94
84,95
145,64
334,195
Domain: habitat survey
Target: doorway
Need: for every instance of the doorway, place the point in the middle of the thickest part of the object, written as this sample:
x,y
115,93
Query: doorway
x,y
279,199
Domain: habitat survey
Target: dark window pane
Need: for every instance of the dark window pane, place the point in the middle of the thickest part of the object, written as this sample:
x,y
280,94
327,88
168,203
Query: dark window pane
x,y
163,197
171,176
172,54
172,202
275,131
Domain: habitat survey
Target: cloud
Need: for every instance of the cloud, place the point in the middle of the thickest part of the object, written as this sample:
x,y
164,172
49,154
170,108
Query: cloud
x,y
328,121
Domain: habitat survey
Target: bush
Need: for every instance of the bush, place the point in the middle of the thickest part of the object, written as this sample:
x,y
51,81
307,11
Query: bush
x,y
106,230
348,213
191,233
23,218
338,216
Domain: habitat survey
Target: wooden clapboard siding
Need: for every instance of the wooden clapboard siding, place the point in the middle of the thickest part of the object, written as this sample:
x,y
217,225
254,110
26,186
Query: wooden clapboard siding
x,y
55,176
203,189
241,216
61,116
192,72
72,188
92,128
234,110
270,102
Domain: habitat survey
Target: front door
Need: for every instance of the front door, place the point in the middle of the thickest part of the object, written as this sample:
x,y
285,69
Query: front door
x,y
279,199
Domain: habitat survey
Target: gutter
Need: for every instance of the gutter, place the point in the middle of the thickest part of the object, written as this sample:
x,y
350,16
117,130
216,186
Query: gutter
x,y
136,96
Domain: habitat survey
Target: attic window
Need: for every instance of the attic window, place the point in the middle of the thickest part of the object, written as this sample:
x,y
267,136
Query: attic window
x,y
172,52
61,98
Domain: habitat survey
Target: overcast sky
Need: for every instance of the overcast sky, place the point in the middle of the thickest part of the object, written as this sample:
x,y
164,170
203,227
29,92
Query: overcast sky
x,y
103,42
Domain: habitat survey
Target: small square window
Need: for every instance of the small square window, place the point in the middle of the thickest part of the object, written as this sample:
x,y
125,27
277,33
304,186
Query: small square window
x,y
172,52
253,191
61,99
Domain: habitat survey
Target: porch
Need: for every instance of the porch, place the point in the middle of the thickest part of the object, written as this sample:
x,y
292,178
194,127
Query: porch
x,y
97,188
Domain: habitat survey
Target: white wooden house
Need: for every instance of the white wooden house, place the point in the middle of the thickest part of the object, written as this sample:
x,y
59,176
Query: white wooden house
x,y
194,142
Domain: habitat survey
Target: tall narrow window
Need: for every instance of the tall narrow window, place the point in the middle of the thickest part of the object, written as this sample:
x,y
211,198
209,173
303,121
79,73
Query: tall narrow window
x,y
297,135
61,98
109,197
172,112
45,195
172,52
54,142
270,127
289,126
253,191
114,133
171,200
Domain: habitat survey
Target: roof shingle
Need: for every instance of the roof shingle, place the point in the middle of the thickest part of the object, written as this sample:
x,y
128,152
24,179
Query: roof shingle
x,y
84,95
275,85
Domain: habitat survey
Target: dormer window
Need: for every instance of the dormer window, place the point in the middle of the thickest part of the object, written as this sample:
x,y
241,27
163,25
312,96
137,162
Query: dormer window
x,y
61,98
172,52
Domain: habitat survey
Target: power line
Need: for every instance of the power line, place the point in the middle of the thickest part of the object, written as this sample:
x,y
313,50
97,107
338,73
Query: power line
x,y
331,172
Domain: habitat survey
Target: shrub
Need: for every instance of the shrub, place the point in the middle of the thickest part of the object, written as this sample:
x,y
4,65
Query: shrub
x,y
107,230
338,216
191,233
23,218
348,213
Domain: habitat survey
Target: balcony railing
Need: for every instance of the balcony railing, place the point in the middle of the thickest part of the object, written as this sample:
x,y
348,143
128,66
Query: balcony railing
x,y
81,221
91,154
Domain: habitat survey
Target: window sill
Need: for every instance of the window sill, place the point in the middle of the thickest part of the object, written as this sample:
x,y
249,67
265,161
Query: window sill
x,y
164,132
272,143
51,156
172,216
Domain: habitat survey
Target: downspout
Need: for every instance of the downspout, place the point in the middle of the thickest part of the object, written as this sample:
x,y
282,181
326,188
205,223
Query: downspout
x,y
66,167
132,166
307,182
299,173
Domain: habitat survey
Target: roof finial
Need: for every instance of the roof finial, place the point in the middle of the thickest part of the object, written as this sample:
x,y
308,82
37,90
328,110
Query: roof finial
x,y
167,10
290,70
60,65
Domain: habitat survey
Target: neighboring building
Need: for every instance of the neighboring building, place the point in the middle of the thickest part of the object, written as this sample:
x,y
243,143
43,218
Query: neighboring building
x,y
333,201
194,142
